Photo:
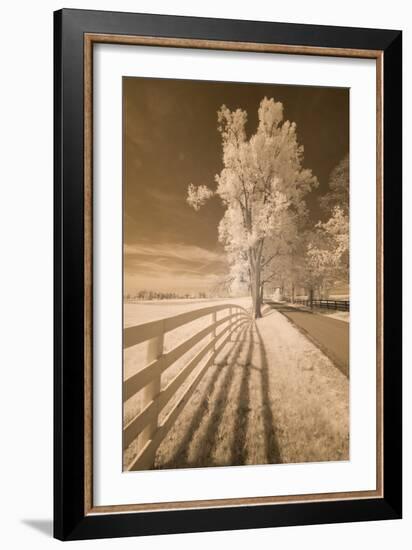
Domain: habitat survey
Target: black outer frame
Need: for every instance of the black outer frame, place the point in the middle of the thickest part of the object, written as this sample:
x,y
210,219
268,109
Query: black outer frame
x,y
70,522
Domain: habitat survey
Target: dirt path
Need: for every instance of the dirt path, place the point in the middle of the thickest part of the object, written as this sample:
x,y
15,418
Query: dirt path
x,y
271,397
330,335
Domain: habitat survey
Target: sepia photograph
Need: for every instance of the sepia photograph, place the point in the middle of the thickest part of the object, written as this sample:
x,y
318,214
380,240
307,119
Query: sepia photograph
x,y
236,291
227,274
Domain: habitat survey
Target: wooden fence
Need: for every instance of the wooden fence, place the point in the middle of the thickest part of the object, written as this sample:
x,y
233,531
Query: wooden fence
x,y
340,305
145,425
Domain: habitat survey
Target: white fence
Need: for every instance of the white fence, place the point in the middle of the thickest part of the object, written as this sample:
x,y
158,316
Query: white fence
x,y
145,425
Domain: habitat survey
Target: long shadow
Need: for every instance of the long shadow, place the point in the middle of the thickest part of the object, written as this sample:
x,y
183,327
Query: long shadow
x,y
238,451
180,456
209,441
272,450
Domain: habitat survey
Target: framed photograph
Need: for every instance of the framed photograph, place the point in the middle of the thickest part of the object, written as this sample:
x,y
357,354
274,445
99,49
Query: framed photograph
x,y
227,274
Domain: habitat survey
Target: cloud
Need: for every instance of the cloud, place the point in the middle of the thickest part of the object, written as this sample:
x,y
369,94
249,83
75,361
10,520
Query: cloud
x,y
172,266
177,251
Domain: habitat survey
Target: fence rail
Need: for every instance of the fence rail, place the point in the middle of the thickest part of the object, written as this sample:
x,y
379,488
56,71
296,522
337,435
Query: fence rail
x,y
145,425
340,305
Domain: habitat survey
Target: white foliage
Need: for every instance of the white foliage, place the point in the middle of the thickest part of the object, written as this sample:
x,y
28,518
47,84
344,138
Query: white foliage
x,y
197,196
262,185
328,250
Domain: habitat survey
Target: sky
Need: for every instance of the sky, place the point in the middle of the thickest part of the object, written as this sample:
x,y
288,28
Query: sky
x,y
170,139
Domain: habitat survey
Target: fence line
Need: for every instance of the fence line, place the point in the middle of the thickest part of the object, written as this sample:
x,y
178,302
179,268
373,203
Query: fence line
x,y
145,425
340,305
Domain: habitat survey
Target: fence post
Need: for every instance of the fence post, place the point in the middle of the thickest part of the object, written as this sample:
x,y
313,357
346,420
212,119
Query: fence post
x,y
151,391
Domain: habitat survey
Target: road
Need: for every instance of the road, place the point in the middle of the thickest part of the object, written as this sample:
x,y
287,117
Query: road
x,y
330,335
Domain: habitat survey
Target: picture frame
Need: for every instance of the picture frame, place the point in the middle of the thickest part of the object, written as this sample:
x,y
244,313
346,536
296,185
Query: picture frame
x,y
76,32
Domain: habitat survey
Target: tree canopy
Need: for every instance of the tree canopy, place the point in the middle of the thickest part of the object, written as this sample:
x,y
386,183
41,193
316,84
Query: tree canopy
x,y
262,186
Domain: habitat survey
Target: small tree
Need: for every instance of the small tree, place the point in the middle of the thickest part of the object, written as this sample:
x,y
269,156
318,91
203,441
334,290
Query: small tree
x,y
328,246
328,250
262,182
338,192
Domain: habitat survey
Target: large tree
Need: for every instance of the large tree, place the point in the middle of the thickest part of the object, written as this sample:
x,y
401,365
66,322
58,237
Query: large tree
x,y
261,183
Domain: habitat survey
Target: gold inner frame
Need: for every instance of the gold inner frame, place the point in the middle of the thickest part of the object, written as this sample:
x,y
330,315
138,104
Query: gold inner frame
x,y
89,40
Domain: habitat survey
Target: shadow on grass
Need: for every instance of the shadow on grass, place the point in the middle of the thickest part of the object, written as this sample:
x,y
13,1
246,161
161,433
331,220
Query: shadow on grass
x,y
272,450
239,451
180,455
203,428
209,440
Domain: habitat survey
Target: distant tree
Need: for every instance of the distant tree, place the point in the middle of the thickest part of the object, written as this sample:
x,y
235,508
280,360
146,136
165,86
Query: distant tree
x,y
328,245
262,181
328,250
338,188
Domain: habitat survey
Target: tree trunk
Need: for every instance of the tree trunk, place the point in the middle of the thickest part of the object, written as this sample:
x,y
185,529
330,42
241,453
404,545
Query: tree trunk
x,y
256,297
293,293
311,298
255,256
